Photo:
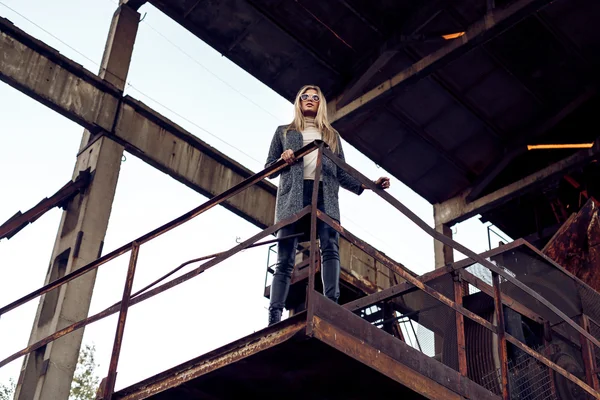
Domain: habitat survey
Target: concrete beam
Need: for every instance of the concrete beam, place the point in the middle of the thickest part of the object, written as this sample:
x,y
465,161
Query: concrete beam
x,y
443,255
494,22
98,105
459,209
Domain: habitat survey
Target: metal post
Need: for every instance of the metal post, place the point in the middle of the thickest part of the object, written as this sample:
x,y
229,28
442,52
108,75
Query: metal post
x,y
114,360
589,357
460,326
312,266
502,350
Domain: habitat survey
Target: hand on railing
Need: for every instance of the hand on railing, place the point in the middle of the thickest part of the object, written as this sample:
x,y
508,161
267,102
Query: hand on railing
x,y
382,183
288,157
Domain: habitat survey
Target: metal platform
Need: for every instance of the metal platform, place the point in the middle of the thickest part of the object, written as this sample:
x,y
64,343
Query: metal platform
x,y
332,354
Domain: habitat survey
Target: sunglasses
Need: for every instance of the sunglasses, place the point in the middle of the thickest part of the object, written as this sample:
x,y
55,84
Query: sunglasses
x,y
313,97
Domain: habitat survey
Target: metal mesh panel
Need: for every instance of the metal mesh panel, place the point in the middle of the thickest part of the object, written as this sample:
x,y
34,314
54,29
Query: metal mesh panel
x,y
590,301
430,326
528,379
426,324
595,332
542,277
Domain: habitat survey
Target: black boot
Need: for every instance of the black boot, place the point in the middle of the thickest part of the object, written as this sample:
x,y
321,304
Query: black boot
x,y
274,315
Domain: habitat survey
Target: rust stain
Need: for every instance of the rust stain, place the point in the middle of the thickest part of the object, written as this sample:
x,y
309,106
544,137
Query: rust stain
x,y
383,363
576,245
228,356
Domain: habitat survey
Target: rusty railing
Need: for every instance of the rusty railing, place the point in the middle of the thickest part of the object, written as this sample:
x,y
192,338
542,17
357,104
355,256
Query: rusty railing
x,y
457,271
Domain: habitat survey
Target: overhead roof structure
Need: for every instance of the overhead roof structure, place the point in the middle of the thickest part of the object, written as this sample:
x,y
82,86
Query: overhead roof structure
x,y
443,95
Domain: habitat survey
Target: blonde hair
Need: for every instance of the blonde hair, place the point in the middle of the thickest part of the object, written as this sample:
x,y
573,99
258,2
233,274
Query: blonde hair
x,y
330,135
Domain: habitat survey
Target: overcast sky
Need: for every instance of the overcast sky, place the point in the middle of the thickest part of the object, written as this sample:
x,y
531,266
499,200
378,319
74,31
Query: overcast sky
x,y
190,83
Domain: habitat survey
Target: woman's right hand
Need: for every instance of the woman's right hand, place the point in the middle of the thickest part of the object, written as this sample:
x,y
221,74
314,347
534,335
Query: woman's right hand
x,y
288,157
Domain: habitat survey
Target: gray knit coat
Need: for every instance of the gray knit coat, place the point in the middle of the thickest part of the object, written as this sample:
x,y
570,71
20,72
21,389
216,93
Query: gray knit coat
x,y
291,184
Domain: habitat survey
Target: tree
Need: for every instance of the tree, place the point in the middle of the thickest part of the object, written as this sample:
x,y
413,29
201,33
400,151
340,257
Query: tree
x,y
7,391
85,382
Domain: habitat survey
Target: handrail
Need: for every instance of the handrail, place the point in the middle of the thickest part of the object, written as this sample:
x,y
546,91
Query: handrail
x,y
455,245
216,200
503,337
419,283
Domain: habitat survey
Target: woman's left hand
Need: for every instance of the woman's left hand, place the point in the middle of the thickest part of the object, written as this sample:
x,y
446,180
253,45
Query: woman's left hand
x,y
383,182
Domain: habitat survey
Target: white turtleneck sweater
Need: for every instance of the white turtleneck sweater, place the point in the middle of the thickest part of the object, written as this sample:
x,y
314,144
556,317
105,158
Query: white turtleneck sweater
x,y
310,134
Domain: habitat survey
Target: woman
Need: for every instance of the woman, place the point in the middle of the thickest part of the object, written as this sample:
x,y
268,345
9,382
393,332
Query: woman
x,y
295,192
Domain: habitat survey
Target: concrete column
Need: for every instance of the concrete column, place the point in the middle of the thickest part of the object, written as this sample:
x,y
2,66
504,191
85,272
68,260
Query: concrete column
x,y
443,254
47,373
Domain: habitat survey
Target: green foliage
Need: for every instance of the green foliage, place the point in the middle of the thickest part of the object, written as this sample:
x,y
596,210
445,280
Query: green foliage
x,y
7,391
85,382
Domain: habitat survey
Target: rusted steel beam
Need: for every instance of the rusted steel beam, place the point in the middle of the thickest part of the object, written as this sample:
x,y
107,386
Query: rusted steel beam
x,y
394,291
148,294
59,199
552,365
459,209
519,146
216,359
575,245
111,378
429,371
502,349
506,300
360,83
460,327
357,349
457,246
403,274
481,31
589,357
162,229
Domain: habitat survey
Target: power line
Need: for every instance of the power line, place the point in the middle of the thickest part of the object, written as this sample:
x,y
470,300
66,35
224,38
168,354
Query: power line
x,y
213,74
129,84
206,68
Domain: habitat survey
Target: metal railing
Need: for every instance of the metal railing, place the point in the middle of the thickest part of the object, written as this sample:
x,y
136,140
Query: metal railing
x,y
412,283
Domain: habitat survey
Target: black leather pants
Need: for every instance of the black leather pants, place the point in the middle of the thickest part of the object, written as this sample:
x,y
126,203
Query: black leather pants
x,y
286,252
